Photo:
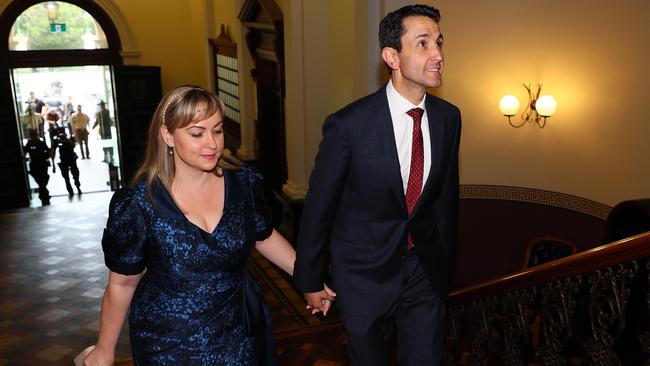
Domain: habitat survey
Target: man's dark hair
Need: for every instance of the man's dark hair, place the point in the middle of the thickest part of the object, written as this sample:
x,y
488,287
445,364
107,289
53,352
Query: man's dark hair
x,y
391,27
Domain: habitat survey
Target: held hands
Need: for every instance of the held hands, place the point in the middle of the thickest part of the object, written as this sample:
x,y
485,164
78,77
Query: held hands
x,y
320,301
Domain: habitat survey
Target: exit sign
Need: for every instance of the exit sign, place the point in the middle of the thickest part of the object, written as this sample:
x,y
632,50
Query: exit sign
x,y
58,28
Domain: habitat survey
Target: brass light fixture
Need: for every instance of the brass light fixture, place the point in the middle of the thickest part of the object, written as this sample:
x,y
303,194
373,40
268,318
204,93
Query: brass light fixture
x,y
52,10
538,108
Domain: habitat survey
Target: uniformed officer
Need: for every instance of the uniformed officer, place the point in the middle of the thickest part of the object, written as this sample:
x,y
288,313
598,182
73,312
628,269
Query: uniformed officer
x,y
67,161
39,155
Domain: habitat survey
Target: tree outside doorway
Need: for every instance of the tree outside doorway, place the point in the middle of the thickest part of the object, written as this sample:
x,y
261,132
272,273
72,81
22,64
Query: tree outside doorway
x,y
56,25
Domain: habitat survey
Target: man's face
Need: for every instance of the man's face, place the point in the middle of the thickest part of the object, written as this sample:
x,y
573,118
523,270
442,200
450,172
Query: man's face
x,y
421,58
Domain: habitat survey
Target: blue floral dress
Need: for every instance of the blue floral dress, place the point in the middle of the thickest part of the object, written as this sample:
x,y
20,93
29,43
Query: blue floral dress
x,y
189,307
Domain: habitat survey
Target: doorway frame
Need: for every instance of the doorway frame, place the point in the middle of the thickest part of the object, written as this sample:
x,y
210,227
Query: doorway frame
x,y
11,156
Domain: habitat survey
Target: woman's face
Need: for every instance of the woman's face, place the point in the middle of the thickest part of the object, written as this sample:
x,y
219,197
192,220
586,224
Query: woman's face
x,y
198,145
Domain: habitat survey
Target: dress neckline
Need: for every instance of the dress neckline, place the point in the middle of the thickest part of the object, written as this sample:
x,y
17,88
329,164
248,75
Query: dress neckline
x,y
166,207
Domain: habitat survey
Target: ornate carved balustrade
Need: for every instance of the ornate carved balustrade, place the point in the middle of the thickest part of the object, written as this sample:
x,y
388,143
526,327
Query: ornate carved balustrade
x,y
591,308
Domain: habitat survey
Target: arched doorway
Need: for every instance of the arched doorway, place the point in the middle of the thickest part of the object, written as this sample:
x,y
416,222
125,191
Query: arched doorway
x,y
136,88
31,49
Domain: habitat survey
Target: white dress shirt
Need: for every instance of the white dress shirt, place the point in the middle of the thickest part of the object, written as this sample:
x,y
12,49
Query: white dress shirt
x,y
403,128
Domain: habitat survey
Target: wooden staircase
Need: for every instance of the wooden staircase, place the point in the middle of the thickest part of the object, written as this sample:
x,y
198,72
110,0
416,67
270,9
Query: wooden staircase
x,y
591,308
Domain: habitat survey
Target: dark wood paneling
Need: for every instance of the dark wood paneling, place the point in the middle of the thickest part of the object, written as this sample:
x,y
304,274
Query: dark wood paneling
x,y
269,131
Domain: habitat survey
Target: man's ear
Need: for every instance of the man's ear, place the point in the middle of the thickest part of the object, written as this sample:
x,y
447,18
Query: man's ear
x,y
167,136
391,57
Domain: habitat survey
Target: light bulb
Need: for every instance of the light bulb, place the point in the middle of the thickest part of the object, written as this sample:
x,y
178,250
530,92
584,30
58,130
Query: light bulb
x,y
509,105
545,105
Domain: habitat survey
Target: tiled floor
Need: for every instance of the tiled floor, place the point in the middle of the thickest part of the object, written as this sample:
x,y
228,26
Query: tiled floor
x,y
52,278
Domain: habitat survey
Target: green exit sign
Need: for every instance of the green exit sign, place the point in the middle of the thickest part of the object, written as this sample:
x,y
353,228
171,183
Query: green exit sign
x,y
58,28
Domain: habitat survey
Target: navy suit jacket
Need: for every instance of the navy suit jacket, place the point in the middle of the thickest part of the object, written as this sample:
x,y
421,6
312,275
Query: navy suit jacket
x,y
355,217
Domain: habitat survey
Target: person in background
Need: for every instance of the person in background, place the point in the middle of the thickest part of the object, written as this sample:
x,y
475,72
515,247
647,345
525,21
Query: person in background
x,y
43,111
382,203
68,110
79,122
104,121
67,160
53,118
52,98
33,109
176,244
39,155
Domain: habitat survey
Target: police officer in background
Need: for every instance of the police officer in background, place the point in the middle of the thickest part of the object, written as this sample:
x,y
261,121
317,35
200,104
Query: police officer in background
x,y
39,155
67,160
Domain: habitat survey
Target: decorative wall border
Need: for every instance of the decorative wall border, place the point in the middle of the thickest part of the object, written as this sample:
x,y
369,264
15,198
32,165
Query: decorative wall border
x,y
532,195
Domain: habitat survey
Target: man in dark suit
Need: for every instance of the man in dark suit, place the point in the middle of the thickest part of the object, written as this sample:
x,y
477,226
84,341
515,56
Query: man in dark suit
x,y
382,203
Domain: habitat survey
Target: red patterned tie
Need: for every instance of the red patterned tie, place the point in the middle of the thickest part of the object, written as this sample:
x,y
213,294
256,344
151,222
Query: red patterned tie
x,y
414,186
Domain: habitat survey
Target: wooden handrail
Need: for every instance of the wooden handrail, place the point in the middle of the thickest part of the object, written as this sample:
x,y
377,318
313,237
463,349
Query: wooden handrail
x,y
621,251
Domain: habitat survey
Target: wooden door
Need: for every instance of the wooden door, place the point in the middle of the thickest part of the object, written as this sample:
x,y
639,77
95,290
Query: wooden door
x,y
14,190
270,134
138,90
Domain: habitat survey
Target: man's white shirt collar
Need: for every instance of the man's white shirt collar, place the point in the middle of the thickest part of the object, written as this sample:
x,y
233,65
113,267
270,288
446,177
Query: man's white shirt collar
x,y
403,131
398,104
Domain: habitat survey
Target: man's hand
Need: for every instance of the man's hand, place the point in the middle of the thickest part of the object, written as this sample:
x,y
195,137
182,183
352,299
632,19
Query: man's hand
x,y
320,301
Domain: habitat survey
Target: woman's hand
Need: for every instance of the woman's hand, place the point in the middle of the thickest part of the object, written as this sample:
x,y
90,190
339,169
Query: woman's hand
x,y
93,356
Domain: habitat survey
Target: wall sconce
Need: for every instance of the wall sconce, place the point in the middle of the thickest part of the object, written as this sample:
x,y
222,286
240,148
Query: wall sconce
x,y
538,109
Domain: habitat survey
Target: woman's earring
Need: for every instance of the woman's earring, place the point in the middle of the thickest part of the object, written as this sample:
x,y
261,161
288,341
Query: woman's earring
x,y
171,150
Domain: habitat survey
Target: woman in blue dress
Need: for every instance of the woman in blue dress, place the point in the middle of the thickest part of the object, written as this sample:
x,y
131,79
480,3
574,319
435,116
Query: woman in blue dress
x,y
176,245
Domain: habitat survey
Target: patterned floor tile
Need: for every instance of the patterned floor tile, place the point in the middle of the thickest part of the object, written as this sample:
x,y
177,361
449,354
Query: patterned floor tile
x,y
53,315
54,353
8,340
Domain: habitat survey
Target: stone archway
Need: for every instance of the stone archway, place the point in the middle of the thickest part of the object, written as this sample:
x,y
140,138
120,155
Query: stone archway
x,y
130,52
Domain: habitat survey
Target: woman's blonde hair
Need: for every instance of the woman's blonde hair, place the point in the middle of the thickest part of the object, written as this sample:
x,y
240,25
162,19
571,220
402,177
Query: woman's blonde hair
x,y
178,108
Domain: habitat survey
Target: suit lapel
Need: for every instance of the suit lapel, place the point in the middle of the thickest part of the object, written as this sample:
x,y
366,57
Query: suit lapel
x,y
384,141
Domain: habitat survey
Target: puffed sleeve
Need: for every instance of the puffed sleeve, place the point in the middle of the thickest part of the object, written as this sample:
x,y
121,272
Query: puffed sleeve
x,y
263,218
125,235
